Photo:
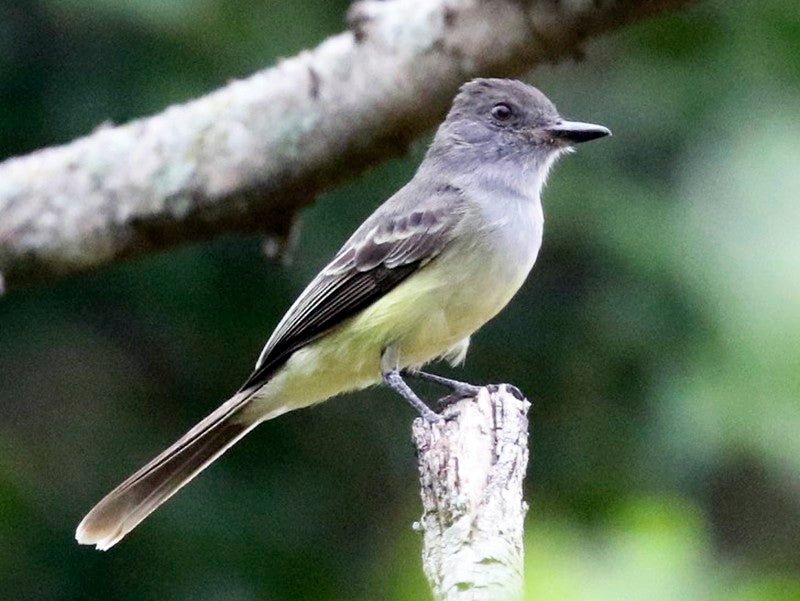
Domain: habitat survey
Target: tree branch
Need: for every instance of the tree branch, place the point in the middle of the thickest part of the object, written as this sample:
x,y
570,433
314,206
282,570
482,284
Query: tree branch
x,y
248,156
471,467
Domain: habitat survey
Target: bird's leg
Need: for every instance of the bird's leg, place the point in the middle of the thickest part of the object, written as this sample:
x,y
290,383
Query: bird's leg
x,y
461,390
395,381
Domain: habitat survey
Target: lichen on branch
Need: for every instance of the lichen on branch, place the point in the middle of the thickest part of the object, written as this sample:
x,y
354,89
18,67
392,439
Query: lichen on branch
x,y
247,157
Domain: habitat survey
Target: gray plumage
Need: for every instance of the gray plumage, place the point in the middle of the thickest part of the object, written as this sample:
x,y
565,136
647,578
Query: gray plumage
x,y
429,267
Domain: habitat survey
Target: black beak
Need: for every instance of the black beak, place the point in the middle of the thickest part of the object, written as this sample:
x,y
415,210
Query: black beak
x,y
576,132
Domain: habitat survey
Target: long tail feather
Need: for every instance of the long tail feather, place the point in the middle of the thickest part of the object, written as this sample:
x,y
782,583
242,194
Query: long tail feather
x,y
126,506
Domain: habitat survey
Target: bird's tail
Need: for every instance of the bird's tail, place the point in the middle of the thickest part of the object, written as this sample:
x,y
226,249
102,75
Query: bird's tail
x,y
123,508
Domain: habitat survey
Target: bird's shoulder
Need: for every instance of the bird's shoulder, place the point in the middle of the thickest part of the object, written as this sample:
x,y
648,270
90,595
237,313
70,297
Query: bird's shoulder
x,y
414,224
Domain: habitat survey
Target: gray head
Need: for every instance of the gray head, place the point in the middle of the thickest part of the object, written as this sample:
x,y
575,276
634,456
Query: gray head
x,y
495,122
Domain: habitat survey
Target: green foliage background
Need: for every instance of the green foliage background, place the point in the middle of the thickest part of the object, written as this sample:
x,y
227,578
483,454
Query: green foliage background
x,y
659,336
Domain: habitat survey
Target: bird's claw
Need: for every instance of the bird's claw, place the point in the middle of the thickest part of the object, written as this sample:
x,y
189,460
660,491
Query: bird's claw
x,y
510,388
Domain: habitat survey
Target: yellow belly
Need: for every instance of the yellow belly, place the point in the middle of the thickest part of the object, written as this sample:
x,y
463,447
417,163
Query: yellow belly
x,y
424,317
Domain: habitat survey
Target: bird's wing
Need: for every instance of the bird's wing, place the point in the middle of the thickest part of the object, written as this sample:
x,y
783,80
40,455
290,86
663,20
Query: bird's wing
x,y
391,245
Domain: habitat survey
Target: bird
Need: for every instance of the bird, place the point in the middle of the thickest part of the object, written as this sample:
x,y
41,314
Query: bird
x,y
429,267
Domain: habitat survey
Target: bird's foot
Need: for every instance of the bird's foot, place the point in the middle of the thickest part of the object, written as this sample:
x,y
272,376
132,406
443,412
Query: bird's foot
x,y
460,390
513,390
394,380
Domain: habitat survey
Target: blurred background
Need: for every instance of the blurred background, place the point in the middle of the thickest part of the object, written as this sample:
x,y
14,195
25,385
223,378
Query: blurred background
x,y
659,337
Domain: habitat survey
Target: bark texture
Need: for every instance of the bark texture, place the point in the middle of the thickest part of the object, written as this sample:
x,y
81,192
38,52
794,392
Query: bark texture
x,y
471,467
248,156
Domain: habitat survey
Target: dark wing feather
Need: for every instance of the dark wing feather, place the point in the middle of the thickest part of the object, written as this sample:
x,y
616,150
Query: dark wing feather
x,y
386,249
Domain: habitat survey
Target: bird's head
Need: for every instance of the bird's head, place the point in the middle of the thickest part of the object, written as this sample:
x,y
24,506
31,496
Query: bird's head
x,y
504,121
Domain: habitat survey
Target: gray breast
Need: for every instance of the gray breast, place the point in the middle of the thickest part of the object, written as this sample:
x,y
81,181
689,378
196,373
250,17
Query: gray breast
x,y
513,231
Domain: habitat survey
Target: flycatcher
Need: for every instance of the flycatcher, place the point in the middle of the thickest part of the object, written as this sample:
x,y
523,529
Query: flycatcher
x,y
428,268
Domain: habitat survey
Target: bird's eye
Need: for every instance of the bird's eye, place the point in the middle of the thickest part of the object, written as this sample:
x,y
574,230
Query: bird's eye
x,y
502,112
